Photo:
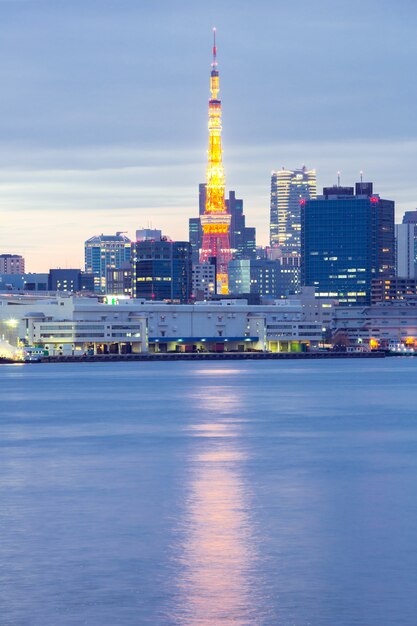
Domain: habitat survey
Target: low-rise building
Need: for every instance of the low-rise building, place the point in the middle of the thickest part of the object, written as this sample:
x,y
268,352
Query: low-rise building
x,y
68,280
64,280
377,325
12,264
395,288
66,324
24,282
73,325
316,309
231,325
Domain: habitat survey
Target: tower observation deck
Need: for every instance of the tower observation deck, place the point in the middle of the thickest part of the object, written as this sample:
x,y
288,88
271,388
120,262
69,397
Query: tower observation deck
x,y
216,220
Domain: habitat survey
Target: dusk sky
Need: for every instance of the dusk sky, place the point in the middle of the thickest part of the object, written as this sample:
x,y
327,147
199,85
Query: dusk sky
x,y
103,123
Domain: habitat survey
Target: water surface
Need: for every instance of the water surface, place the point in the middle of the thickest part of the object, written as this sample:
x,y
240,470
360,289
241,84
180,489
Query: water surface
x,y
209,494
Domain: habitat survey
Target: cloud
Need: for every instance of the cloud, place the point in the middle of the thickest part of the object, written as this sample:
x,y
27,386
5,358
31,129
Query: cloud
x,y
103,117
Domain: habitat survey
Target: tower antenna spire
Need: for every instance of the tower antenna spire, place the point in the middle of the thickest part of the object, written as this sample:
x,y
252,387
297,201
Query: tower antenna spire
x,y
215,221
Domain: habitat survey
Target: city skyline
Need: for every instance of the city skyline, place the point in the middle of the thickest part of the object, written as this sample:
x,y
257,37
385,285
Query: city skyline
x,y
88,140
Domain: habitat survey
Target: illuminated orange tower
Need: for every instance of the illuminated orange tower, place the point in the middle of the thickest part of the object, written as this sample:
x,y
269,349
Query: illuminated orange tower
x,y
216,221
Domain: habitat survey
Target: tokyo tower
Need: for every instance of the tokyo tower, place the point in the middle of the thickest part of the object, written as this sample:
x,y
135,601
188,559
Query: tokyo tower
x,y
216,221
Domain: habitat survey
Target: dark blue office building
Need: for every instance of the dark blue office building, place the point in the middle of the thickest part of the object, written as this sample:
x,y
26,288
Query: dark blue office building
x,y
162,270
242,237
347,239
64,280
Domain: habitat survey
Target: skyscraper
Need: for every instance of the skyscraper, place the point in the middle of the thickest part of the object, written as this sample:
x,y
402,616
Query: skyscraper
x,y
216,221
242,237
195,237
347,241
162,270
288,187
406,246
105,252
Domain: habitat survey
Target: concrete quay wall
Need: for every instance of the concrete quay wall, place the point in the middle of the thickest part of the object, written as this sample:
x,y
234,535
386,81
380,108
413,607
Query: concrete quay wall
x,y
212,356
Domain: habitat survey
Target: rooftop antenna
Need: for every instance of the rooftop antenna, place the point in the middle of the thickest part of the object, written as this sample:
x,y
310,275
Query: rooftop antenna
x,y
361,173
214,64
338,179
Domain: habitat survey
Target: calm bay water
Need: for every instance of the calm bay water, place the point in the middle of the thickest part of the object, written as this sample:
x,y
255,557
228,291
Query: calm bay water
x,y
209,494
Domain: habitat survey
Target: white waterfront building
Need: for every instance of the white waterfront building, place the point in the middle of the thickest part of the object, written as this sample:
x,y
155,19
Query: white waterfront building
x,y
381,324
72,325
66,324
231,325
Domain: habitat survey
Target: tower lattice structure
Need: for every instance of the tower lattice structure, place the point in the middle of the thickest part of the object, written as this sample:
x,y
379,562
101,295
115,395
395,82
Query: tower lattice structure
x,y
216,220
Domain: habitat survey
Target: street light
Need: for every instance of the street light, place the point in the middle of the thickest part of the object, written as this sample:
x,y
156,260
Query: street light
x,y
9,326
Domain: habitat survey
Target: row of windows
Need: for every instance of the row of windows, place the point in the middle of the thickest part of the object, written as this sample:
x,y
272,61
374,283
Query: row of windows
x,y
70,327
148,279
124,327
76,335
279,326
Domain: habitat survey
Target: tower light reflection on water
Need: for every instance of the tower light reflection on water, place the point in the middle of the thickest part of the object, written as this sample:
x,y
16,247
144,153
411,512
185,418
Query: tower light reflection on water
x,y
216,220
218,547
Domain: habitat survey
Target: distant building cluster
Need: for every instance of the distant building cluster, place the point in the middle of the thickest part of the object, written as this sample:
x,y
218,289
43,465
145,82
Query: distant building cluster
x,y
337,270
338,258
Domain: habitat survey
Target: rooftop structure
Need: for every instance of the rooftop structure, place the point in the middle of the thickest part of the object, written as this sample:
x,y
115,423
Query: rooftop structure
x,y
148,234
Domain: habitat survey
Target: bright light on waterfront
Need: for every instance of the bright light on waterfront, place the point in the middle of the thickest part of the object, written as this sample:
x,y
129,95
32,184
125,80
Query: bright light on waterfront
x,y
12,323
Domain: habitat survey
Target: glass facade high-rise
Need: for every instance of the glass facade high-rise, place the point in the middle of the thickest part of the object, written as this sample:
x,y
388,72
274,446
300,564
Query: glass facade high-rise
x,y
406,246
105,252
162,270
266,277
242,237
195,235
347,240
405,250
195,229
288,188
254,276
